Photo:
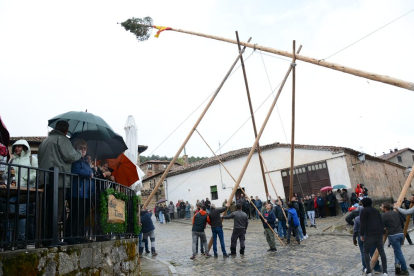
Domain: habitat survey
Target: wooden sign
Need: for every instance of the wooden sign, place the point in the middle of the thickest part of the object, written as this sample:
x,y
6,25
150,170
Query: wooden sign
x,y
116,210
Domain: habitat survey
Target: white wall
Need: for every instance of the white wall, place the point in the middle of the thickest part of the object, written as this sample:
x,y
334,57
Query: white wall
x,y
196,184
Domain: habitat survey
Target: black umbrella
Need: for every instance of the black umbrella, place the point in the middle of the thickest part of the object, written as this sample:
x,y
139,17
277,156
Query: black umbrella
x,y
84,122
102,149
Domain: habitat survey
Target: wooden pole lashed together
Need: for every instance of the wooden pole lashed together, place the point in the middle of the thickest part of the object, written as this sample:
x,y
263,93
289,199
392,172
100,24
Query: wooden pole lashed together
x,y
218,159
292,139
404,191
259,134
252,113
320,62
192,131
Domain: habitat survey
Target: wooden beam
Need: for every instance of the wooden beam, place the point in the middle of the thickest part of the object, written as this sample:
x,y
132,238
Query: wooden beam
x,y
169,167
252,114
316,61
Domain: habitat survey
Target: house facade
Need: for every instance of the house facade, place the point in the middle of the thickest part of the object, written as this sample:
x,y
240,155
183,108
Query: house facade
x,y
315,167
153,170
403,157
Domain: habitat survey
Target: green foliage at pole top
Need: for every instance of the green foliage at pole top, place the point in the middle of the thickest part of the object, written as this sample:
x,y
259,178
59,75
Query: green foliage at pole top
x,y
140,27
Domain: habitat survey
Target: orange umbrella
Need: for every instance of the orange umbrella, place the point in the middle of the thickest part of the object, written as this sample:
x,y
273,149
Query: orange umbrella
x,y
125,171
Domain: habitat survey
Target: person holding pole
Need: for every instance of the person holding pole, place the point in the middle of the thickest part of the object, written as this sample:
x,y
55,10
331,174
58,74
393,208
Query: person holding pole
x,y
200,221
269,218
217,228
372,231
395,225
239,230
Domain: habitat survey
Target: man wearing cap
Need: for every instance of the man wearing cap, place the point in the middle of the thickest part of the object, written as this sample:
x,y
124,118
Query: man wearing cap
x,y
56,151
217,228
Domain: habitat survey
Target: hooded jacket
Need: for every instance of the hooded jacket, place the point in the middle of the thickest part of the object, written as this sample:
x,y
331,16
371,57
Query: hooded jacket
x,y
25,160
293,219
57,151
271,219
200,221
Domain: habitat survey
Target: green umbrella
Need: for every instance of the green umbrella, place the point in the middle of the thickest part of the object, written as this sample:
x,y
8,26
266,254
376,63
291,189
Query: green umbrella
x,y
91,126
339,186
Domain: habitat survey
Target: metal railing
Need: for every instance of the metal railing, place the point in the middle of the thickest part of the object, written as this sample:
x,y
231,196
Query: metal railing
x,y
43,208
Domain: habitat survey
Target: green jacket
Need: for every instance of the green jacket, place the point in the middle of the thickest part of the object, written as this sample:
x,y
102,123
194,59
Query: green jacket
x,y
57,151
25,160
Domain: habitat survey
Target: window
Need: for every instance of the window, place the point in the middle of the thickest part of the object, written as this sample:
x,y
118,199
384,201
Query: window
x,y
214,194
149,166
152,184
165,166
284,174
399,159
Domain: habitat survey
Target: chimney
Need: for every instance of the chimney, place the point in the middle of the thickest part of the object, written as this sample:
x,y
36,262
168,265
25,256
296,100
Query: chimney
x,y
395,149
185,159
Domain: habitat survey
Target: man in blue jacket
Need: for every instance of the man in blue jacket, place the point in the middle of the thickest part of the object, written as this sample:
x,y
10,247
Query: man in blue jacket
x,y
293,223
83,189
148,230
269,218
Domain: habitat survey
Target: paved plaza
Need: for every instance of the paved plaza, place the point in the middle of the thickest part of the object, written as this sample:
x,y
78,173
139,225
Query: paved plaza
x,y
320,254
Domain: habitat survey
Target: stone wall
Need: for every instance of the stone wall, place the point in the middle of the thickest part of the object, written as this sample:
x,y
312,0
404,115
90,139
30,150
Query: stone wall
x,y
116,257
383,181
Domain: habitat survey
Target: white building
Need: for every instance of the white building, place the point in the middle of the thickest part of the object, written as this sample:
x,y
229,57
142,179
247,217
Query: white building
x,y
315,167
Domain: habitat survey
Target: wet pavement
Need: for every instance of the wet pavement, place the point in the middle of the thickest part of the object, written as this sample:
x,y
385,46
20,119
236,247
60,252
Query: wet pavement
x,y
320,254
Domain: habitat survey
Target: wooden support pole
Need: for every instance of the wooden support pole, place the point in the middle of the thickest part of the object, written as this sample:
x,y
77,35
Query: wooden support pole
x,y
249,157
407,223
167,170
260,213
292,139
252,114
320,62
273,185
404,191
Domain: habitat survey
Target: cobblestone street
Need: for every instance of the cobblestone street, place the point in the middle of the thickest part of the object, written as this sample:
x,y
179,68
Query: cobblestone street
x,y
317,255
320,254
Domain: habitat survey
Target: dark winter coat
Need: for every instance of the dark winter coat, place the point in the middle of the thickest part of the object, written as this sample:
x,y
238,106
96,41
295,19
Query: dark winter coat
x,y
271,219
330,200
146,221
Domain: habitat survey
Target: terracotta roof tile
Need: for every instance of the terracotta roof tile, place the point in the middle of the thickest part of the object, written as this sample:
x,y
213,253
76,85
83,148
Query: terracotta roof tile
x,y
28,138
390,155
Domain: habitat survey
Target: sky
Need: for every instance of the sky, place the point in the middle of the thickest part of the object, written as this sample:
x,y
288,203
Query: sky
x,y
59,56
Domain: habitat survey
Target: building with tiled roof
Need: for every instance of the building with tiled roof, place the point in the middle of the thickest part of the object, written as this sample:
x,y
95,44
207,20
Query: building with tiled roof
x,y
403,157
315,167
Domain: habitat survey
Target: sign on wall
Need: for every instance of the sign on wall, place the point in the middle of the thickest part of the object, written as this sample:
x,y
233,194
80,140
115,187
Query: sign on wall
x,y
116,210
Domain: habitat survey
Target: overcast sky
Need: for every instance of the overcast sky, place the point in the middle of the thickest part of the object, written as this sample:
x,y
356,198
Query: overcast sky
x,y
58,56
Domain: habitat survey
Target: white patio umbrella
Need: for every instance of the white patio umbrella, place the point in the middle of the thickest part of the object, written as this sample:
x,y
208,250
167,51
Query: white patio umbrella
x,y
132,151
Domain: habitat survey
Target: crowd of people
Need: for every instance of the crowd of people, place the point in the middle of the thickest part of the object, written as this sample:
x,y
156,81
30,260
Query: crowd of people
x,y
69,157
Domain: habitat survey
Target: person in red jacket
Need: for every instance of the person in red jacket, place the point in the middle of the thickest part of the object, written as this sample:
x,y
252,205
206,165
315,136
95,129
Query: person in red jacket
x,y
315,205
359,190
